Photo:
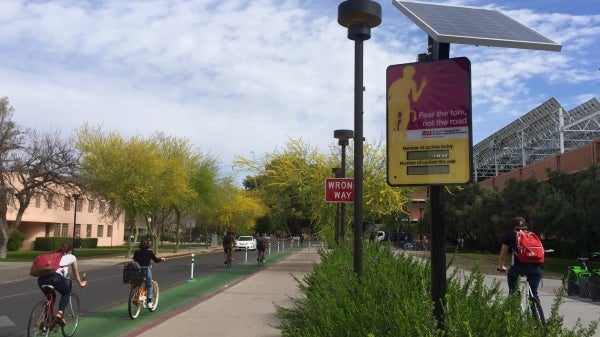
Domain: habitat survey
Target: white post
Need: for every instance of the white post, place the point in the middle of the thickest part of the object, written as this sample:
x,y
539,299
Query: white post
x,y
246,255
192,269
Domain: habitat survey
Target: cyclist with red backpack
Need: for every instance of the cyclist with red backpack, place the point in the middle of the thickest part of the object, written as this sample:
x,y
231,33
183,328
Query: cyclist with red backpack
x,y
527,253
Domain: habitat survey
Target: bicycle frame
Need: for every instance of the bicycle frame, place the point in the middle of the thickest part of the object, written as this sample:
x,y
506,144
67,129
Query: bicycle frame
x,y
529,303
42,323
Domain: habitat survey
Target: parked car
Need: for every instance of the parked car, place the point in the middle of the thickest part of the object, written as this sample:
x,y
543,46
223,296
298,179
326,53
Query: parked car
x,y
246,242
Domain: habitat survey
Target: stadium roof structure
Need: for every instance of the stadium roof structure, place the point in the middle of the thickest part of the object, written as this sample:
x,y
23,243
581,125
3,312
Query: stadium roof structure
x,y
543,132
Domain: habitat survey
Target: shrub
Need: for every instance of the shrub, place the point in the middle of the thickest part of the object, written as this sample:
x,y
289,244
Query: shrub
x,y
392,298
15,241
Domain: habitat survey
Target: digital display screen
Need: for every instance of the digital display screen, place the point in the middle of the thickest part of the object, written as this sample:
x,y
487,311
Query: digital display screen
x,y
427,154
424,170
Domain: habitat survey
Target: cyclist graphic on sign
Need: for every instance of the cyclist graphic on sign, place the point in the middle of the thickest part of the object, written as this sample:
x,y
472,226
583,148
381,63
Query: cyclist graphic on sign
x,y
400,94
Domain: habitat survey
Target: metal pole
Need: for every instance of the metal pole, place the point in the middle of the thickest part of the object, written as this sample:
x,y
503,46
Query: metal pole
x,y
75,198
440,51
192,269
358,155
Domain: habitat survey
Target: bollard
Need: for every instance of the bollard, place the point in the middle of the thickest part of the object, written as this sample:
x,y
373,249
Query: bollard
x,y
269,248
246,255
278,246
192,269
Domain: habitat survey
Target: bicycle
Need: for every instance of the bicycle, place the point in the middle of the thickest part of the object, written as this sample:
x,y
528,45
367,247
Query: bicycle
x,y
528,301
138,296
261,257
229,257
41,321
575,274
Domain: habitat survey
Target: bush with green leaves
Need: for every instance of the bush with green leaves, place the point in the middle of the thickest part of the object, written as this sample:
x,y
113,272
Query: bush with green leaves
x,y
393,298
15,241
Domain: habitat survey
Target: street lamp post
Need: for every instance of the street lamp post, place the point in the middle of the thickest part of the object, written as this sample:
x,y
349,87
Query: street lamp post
x,y
343,137
75,198
336,233
359,16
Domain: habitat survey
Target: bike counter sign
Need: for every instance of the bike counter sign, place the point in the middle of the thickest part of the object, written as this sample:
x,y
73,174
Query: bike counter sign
x,y
339,190
429,123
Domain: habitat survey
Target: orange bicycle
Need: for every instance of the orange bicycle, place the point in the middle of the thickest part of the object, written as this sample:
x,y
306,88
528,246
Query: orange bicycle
x,y
138,296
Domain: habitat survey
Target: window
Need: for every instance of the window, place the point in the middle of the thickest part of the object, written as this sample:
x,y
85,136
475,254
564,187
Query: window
x,y
102,206
78,229
38,200
79,205
90,206
100,231
88,231
67,204
49,201
109,231
56,230
65,230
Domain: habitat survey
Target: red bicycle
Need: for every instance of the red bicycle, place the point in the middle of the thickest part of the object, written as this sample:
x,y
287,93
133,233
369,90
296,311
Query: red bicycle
x,y
41,321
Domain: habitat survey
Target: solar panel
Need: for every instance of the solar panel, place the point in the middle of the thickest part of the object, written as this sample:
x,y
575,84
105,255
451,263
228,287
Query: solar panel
x,y
474,26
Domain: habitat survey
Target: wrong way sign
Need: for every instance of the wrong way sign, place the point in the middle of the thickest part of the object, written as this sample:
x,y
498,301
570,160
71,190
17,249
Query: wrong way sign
x,y
339,190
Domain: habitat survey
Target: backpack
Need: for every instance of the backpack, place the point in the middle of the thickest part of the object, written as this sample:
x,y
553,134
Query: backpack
x,y
529,247
45,264
133,273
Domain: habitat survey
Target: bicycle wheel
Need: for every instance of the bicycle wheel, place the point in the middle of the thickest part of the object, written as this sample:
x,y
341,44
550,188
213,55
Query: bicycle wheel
x,y
38,325
134,304
154,296
571,283
593,285
71,315
536,310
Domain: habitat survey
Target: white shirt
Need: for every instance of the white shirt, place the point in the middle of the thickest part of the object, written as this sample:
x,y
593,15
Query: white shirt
x,y
65,261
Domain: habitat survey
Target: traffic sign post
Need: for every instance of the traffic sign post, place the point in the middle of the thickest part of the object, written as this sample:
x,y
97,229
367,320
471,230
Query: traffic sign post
x,y
339,190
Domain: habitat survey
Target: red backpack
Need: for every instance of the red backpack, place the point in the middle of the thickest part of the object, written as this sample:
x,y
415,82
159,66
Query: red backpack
x,y
45,264
529,247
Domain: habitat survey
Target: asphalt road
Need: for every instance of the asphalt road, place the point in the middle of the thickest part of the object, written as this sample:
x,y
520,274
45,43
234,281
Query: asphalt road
x,y
105,289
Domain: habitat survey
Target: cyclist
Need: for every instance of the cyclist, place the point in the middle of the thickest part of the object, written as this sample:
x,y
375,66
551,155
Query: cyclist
x,y
59,280
533,271
144,256
228,244
261,246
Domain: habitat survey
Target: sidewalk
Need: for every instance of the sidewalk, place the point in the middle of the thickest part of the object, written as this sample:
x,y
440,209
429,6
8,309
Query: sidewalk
x,y
245,309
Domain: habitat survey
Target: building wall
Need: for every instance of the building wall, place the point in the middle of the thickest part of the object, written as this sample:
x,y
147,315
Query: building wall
x,y
39,220
569,162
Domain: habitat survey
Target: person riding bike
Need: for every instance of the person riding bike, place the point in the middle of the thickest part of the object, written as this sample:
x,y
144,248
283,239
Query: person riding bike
x,y
261,246
228,244
533,271
144,256
59,280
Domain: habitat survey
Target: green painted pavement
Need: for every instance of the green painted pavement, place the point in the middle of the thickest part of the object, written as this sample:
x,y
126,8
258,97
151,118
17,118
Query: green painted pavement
x,y
116,322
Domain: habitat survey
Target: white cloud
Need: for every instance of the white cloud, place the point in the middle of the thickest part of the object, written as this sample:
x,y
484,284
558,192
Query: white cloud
x,y
236,77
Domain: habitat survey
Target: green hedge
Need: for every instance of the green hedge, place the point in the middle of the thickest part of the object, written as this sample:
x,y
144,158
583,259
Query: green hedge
x,y
393,298
52,243
15,241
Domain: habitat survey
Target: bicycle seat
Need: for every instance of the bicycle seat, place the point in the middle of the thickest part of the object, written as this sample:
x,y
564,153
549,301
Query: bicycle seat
x,y
47,287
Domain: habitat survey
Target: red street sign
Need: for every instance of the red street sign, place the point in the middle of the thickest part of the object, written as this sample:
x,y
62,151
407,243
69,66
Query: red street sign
x,y
339,190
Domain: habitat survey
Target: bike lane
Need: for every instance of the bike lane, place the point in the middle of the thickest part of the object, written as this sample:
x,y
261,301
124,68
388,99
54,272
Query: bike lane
x,y
115,322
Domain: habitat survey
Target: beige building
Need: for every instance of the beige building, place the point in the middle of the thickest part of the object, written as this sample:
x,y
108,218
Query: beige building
x,y
51,217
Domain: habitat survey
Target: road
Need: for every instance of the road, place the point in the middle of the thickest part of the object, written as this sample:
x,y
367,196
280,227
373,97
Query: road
x,y
105,288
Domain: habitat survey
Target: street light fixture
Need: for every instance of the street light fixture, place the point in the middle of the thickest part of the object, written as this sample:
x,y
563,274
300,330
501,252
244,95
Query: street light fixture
x,y
75,198
343,137
359,16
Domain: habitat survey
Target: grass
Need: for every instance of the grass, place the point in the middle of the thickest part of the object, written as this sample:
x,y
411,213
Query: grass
x,y
554,268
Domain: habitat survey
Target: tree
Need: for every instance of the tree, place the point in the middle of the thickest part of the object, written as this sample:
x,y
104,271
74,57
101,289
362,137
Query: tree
x,y
31,163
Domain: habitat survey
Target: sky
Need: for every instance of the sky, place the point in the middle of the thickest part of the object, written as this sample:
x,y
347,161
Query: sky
x,y
242,78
